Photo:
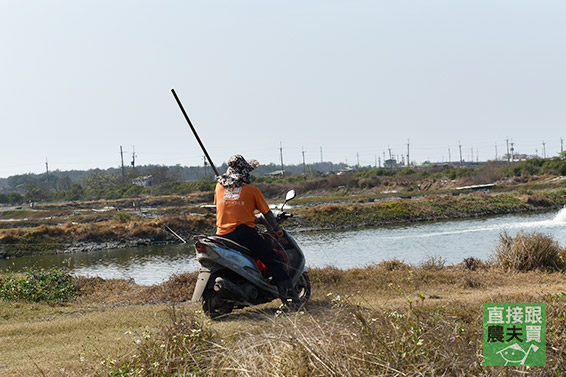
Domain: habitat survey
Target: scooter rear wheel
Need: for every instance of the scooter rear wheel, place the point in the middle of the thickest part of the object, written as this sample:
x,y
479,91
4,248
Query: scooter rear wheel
x,y
213,305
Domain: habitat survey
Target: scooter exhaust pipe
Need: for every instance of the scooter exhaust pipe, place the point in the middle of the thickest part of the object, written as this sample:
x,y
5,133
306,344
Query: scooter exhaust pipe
x,y
225,286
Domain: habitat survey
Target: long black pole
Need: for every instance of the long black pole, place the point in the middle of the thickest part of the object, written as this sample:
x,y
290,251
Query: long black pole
x,y
194,132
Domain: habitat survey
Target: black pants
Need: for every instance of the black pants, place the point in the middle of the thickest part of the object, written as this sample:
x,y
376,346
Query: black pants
x,y
248,237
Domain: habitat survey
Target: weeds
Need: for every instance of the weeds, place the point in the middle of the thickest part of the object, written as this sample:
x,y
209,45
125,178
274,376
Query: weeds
x,y
125,217
182,346
339,338
38,285
433,263
526,252
473,263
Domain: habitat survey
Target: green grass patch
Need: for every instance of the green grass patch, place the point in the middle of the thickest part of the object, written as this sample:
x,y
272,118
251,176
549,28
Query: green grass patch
x,y
37,286
432,207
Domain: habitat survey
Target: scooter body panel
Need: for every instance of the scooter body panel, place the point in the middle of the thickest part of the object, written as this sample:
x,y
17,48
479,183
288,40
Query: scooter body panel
x,y
234,261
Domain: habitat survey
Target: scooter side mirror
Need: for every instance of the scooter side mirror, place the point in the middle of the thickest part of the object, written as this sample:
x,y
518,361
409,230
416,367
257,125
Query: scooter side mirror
x,y
290,195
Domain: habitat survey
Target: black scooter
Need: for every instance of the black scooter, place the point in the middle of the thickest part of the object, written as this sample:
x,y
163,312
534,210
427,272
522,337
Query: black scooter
x,y
230,277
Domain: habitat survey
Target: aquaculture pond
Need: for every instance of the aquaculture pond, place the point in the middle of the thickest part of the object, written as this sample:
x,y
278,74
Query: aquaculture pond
x,y
451,240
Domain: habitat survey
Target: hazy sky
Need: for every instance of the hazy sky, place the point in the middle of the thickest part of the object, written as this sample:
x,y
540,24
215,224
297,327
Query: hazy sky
x,y
79,78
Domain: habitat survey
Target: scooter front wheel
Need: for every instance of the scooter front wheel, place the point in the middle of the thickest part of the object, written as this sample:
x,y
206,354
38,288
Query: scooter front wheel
x,y
303,288
213,305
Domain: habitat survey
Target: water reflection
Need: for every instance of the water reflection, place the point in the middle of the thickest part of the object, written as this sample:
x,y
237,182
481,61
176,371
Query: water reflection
x,y
452,240
145,265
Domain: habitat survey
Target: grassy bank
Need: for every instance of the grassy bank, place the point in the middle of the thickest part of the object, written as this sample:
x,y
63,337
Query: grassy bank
x,y
83,230
124,229
433,207
385,320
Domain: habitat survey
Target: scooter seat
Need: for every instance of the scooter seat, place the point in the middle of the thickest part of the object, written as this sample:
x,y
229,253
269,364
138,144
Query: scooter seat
x,y
231,244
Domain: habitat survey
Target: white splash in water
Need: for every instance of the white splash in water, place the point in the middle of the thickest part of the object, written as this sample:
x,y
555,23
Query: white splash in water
x,y
561,216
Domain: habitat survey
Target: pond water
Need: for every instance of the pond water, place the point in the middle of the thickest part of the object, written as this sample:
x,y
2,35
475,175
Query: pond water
x,y
414,243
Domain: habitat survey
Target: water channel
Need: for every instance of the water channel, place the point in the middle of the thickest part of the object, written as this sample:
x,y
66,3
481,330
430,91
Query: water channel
x,y
451,240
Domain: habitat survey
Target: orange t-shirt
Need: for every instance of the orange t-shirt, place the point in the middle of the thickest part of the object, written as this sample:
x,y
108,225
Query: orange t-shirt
x,y
236,206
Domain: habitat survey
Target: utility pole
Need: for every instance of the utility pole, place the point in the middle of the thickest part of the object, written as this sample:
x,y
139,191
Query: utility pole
x,y
281,154
508,155
47,173
358,156
134,156
304,166
408,155
390,158
543,149
460,146
496,152
472,159
379,161
123,171
204,164
321,155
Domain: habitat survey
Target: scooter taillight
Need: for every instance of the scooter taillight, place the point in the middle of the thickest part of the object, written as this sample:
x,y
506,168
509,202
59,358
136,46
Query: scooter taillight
x,y
262,268
201,248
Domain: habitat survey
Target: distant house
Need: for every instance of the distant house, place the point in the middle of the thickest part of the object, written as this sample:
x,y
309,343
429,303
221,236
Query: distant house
x,y
520,157
144,181
276,173
391,163
345,171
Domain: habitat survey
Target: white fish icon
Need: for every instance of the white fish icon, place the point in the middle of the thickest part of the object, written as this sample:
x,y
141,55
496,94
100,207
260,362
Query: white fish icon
x,y
515,354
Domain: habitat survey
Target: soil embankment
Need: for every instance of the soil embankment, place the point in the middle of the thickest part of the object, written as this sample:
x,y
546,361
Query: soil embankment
x,y
88,226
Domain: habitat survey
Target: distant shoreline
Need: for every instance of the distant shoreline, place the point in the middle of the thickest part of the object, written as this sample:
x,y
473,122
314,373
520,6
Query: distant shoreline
x,y
127,231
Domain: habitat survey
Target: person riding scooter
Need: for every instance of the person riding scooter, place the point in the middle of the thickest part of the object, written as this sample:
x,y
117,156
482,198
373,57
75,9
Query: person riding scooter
x,y
236,200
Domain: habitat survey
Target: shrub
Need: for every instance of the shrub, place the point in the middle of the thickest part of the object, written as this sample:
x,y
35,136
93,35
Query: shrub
x,y
472,263
38,285
394,265
433,263
526,252
124,217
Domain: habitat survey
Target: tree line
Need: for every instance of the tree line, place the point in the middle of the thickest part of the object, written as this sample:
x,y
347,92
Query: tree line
x,y
172,180
113,183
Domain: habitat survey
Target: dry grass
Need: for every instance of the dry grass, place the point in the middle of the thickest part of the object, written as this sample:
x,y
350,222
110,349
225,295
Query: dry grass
x,y
41,340
389,319
48,238
529,251
352,334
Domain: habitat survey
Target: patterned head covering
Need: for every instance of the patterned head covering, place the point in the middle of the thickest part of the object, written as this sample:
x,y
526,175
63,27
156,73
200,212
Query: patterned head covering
x,y
238,173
